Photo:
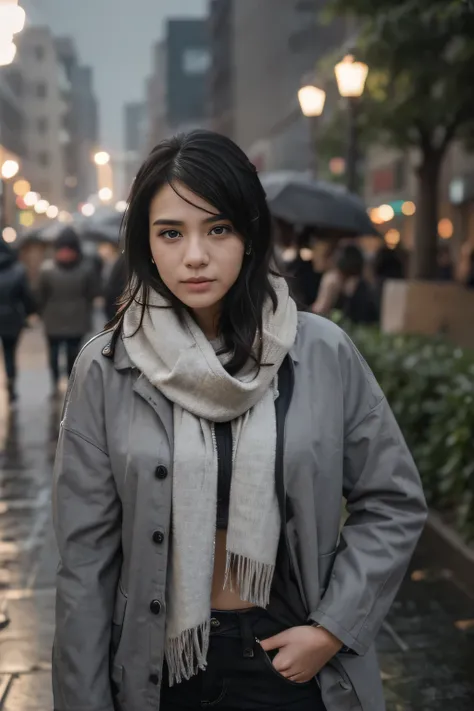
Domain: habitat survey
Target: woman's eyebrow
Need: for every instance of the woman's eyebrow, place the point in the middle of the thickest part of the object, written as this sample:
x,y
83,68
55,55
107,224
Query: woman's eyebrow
x,y
180,223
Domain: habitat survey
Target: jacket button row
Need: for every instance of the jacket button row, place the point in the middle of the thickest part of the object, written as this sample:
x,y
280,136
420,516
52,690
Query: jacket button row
x,y
154,679
155,607
158,537
161,472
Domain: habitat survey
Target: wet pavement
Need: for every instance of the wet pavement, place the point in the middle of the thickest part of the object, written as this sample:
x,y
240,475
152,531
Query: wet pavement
x,y
426,647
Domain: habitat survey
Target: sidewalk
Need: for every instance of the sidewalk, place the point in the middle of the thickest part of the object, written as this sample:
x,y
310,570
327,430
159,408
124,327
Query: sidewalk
x,y
426,647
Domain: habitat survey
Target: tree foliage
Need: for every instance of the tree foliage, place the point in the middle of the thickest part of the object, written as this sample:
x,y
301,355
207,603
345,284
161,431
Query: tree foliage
x,y
421,57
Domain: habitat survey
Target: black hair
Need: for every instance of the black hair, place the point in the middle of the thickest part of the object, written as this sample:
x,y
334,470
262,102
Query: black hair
x,y
350,261
216,169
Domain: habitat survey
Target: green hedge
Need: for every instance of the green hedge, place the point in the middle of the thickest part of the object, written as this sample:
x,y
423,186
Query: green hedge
x,y
430,387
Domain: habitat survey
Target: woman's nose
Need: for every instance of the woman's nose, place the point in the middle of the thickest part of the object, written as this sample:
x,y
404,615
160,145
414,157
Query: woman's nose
x,y
196,253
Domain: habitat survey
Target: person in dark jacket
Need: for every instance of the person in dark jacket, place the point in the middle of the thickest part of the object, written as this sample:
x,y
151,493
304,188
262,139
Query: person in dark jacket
x,y
357,300
16,304
66,291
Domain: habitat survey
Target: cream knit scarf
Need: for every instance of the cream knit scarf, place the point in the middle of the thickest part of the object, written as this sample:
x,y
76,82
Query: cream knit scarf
x,y
180,361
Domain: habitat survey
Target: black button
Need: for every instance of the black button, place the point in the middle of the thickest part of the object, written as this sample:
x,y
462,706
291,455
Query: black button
x,y
154,679
158,537
161,472
155,607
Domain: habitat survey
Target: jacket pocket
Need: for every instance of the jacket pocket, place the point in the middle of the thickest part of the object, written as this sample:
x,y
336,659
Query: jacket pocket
x,y
118,619
337,690
269,664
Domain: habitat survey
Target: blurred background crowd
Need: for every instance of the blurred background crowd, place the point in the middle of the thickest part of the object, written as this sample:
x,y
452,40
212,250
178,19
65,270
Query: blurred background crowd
x,y
359,117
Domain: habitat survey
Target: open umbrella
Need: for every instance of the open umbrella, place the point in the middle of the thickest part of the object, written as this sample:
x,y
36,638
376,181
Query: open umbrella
x,y
300,199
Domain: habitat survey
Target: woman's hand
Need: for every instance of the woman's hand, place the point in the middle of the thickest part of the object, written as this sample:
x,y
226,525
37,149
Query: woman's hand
x,y
303,651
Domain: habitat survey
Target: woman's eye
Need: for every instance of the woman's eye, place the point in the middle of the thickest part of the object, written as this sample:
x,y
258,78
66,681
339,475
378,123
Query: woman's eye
x,y
170,234
220,230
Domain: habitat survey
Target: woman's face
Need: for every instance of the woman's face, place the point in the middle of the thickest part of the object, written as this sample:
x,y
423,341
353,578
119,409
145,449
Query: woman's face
x,y
197,252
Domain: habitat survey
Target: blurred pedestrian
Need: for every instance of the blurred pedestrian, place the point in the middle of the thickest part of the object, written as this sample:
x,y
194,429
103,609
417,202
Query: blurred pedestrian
x,y
445,263
66,290
357,299
387,264
16,304
330,285
206,446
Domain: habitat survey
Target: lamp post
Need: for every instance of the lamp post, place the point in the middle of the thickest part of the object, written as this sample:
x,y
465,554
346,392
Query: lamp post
x,y
312,100
351,77
8,171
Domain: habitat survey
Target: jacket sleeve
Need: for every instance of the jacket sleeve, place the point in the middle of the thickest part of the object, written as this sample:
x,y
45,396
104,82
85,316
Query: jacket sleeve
x,y
41,291
87,521
386,512
26,295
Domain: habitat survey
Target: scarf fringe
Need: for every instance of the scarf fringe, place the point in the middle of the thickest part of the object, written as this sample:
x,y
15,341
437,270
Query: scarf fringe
x,y
253,579
187,653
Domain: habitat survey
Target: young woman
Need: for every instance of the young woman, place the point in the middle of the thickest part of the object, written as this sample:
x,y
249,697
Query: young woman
x,y
206,446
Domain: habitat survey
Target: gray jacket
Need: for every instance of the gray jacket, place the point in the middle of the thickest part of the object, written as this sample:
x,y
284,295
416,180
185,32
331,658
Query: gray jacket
x,y
112,491
65,298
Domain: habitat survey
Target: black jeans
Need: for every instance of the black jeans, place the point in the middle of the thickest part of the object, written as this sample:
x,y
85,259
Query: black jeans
x,y
72,350
9,344
240,676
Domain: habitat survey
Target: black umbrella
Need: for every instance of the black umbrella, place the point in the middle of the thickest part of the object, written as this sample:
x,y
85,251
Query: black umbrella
x,y
299,199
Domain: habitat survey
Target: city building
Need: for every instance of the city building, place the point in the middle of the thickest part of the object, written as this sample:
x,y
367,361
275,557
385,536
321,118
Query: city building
x,y
80,123
12,135
177,95
135,140
188,62
221,74
157,126
261,54
45,111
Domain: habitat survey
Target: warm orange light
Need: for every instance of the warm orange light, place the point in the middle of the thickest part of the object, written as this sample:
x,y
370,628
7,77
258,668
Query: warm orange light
x,y
392,238
386,213
445,228
408,208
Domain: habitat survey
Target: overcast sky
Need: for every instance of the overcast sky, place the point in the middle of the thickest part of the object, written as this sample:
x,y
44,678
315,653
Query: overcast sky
x,y
115,37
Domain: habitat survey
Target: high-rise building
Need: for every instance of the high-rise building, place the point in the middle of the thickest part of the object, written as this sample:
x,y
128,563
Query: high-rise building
x,y
221,73
45,111
261,53
12,135
80,123
188,61
135,139
157,126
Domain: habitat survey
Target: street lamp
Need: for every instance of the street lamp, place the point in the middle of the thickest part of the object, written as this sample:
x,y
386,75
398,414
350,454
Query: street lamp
x,y
8,171
312,100
351,77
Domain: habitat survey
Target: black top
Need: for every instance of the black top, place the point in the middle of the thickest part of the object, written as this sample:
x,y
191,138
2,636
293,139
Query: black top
x,y
285,601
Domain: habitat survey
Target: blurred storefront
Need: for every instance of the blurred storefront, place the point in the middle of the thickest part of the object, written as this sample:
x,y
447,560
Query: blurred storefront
x,y
391,194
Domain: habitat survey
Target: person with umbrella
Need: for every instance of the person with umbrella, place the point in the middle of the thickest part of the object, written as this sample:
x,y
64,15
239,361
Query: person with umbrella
x,y
66,290
16,304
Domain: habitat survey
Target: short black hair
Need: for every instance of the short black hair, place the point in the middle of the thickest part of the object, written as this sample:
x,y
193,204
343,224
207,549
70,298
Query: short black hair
x,y
350,261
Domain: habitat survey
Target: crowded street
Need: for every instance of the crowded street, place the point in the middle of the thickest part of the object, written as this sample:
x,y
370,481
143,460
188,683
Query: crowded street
x,y
236,355
426,647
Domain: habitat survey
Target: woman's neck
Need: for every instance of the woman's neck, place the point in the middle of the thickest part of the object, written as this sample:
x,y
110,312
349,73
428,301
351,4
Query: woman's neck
x,y
207,320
